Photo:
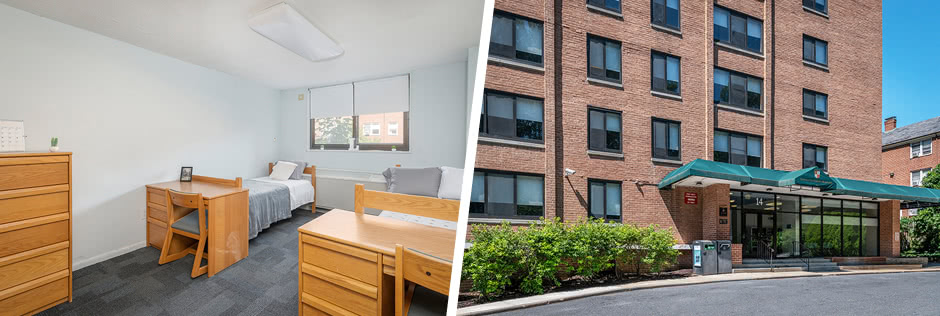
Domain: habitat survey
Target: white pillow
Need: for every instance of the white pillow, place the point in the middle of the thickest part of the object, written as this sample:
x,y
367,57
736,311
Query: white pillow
x,y
451,181
282,170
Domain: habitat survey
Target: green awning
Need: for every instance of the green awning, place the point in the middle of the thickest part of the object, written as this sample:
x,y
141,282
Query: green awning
x,y
813,177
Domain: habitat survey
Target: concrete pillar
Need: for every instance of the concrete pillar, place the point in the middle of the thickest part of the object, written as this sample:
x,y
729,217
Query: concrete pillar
x,y
890,228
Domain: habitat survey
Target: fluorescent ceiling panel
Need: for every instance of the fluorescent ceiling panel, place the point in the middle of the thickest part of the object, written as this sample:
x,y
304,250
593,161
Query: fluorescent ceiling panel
x,y
285,26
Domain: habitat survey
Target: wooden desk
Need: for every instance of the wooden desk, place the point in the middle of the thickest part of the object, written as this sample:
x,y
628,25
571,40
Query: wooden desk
x,y
227,207
347,261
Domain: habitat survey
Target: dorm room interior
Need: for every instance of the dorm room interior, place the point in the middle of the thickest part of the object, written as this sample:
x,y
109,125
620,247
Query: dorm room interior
x,y
232,158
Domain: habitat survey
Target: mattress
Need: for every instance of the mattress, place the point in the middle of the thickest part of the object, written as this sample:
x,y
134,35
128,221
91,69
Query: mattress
x,y
270,201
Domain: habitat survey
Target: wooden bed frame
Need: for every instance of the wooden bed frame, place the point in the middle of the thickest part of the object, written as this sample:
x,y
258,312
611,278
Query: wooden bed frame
x,y
444,209
312,171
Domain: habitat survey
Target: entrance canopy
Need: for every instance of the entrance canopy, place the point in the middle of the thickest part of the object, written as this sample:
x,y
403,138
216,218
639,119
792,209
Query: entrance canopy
x,y
813,180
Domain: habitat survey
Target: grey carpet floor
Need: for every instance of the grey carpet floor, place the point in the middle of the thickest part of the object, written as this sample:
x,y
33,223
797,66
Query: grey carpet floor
x,y
264,283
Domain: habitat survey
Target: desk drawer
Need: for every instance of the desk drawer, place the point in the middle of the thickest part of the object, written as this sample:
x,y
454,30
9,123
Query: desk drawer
x,y
156,196
359,264
36,298
30,269
28,176
20,240
17,209
156,234
340,296
313,306
157,212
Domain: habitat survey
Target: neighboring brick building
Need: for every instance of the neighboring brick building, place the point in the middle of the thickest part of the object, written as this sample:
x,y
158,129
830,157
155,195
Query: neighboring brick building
x,y
908,152
623,94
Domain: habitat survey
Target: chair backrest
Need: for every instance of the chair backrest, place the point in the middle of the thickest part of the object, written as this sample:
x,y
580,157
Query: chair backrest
x,y
178,204
443,209
425,270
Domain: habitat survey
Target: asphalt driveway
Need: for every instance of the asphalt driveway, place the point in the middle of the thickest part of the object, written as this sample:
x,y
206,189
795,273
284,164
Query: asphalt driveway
x,y
861,294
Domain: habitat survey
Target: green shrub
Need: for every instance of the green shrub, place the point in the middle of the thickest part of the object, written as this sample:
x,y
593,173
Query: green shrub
x,y
494,260
658,244
592,246
544,248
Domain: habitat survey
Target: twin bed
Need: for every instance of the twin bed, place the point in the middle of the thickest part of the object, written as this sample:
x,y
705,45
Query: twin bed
x,y
271,200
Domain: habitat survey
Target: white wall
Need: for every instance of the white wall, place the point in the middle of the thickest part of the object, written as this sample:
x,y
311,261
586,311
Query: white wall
x,y
437,126
131,117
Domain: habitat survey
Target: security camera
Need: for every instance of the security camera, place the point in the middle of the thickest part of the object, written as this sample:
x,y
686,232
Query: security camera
x,y
569,172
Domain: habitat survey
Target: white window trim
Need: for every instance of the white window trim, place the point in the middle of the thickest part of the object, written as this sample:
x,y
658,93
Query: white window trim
x,y
921,174
920,148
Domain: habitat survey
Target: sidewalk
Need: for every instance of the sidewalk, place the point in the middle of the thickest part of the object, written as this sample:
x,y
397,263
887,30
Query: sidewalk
x,y
525,302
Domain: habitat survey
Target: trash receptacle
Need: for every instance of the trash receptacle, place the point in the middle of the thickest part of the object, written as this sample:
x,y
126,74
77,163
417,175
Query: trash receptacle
x,y
724,256
704,257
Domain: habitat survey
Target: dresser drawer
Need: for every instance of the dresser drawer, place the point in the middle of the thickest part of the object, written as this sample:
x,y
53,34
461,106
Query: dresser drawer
x,y
20,240
157,197
30,269
313,306
28,176
356,263
39,297
17,209
157,212
353,301
157,234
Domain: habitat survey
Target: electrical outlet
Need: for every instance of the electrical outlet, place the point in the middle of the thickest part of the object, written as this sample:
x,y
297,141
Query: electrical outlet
x,y
300,97
275,139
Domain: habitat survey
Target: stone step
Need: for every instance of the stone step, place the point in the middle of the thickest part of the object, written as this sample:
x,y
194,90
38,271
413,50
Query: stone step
x,y
776,264
758,270
787,260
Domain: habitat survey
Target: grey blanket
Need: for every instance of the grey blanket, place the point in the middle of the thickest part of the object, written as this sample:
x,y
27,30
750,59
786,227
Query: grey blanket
x,y
267,203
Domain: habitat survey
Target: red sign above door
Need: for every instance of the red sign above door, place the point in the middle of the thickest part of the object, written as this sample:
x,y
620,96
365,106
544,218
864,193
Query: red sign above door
x,y
691,198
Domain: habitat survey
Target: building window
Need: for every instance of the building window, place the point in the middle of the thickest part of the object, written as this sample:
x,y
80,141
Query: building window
x,y
667,142
737,148
815,50
817,5
815,156
815,104
918,176
922,148
507,195
738,30
516,37
604,200
393,129
666,73
603,58
604,132
738,89
365,131
612,5
510,116
666,13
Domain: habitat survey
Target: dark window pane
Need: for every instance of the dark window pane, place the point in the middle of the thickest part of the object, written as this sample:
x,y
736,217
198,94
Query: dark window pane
x,y
821,50
722,89
822,102
674,148
659,12
529,118
659,139
672,74
596,57
809,156
821,158
721,25
597,133
659,72
501,36
607,4
754,152
809,49
738,150
597,200
531,195
612,126
672,13
754,32
820,5
753,93
738,90
612,60
529,41
500,194
809,102
808,3
612,201
721,147
499,109
477,194
738,31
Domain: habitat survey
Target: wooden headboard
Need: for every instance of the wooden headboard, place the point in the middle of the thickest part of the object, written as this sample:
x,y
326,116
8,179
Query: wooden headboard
x,y
312,171
444,209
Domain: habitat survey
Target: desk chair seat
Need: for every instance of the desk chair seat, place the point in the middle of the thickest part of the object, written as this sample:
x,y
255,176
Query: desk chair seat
x,y
425,302
190,223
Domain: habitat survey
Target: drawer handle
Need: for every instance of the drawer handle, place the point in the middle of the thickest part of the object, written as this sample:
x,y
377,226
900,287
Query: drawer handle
x,y
428,273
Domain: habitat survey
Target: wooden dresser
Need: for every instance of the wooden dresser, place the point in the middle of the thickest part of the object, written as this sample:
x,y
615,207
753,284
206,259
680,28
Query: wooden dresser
x,y
35,231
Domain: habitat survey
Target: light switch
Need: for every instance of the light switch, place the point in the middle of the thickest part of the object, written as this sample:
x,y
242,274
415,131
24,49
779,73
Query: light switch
x,y
300,97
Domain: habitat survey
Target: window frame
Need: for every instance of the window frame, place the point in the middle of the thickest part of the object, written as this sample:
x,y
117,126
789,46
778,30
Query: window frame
x,y
618,10
653,138
746,137
922,173
605,112
606,41
815,94
747,80
665,56
403,146
484,117
815,149
515,202
515,17
747,19
589,198
920,148
815,59
665,15
825,10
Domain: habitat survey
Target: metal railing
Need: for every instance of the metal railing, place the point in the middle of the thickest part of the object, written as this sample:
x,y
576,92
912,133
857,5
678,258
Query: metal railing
x,y
766,252
802,248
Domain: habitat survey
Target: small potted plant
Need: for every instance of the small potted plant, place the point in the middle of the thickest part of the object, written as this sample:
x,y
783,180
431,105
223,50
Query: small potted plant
x,y
54,145
393,148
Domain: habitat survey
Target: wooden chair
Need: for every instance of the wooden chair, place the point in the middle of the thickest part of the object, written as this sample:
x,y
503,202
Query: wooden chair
x,y
186,216
430,272
443,209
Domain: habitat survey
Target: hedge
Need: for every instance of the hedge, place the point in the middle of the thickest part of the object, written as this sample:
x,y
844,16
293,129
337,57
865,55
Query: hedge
x,y
531,259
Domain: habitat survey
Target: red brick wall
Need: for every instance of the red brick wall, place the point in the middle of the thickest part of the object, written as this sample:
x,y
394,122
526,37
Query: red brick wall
x,y
897,160
890,226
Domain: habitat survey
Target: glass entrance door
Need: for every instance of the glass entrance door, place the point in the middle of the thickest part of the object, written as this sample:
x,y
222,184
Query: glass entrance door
x,y
757,228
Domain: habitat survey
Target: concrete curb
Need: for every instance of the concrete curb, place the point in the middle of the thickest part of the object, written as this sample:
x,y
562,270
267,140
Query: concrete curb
x,y
531,301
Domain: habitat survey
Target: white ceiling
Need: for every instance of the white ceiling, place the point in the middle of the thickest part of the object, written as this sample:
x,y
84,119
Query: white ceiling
x,y
380,37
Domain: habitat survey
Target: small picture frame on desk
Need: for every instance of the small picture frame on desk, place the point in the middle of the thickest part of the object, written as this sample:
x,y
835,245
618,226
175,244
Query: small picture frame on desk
x,y
186,174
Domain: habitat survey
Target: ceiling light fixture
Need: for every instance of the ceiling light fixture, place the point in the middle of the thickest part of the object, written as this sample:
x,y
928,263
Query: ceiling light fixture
x,y
286,27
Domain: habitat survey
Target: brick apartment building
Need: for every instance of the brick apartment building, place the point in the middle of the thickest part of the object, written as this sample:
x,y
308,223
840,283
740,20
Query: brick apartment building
x,y
908,152
622,94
